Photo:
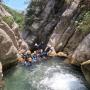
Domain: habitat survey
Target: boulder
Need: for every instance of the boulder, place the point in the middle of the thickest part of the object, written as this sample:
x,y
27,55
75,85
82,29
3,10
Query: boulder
x,y
53,53
61,54
85,66
7,49
82,53
4,26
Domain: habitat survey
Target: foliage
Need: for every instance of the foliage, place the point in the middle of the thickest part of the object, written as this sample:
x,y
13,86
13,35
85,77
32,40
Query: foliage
x,y
83,22
68,1
33,10
18,17
8,19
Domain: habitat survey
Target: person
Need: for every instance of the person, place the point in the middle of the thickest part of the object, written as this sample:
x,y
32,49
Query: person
x,y
48,48
41,46
34,56
36,46
46,51
19,58
28,53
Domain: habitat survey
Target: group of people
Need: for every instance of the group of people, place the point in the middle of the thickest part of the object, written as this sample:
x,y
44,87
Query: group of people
x,y
27,57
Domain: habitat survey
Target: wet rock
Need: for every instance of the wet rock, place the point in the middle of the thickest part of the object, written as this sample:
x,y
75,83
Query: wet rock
x,y
85,66
61,54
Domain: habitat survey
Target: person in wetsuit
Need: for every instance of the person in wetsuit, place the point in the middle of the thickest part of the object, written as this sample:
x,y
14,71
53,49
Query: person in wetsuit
x,y
45,52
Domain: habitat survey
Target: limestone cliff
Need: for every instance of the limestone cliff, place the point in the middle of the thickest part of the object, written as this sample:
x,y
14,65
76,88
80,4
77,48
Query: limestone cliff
x,y
9,36
61,23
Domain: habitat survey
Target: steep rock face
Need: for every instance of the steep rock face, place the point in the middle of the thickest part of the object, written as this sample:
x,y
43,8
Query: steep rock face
x,y
82,52
7,49
15,29
41,18
9,38
8,24
64,25
3,12
9,31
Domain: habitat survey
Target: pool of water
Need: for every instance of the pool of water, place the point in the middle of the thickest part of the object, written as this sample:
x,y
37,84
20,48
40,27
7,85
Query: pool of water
x,y
52,74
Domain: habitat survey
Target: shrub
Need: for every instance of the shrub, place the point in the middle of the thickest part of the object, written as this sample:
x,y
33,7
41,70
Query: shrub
x,y
8,19
84,23
17,17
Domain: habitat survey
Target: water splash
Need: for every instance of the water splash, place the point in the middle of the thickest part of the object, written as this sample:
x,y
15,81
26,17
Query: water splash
x,y
61,81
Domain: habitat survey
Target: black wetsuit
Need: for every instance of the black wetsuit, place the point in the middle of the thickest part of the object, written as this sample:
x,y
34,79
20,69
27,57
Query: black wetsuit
x,y
45,53
41,46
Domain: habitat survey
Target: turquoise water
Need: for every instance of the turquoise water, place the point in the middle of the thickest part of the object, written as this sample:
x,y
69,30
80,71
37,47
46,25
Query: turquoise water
x,y
52,74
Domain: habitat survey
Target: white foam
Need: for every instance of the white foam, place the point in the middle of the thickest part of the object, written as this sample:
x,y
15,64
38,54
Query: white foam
x,y
61,82
53,68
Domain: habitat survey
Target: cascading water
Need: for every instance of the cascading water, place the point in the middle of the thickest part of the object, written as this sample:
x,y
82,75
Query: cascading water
x,y
52,74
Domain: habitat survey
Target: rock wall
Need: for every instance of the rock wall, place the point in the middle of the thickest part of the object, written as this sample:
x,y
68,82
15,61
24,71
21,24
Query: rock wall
x,y
55,23
41,18
8,38
63,24
82,52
